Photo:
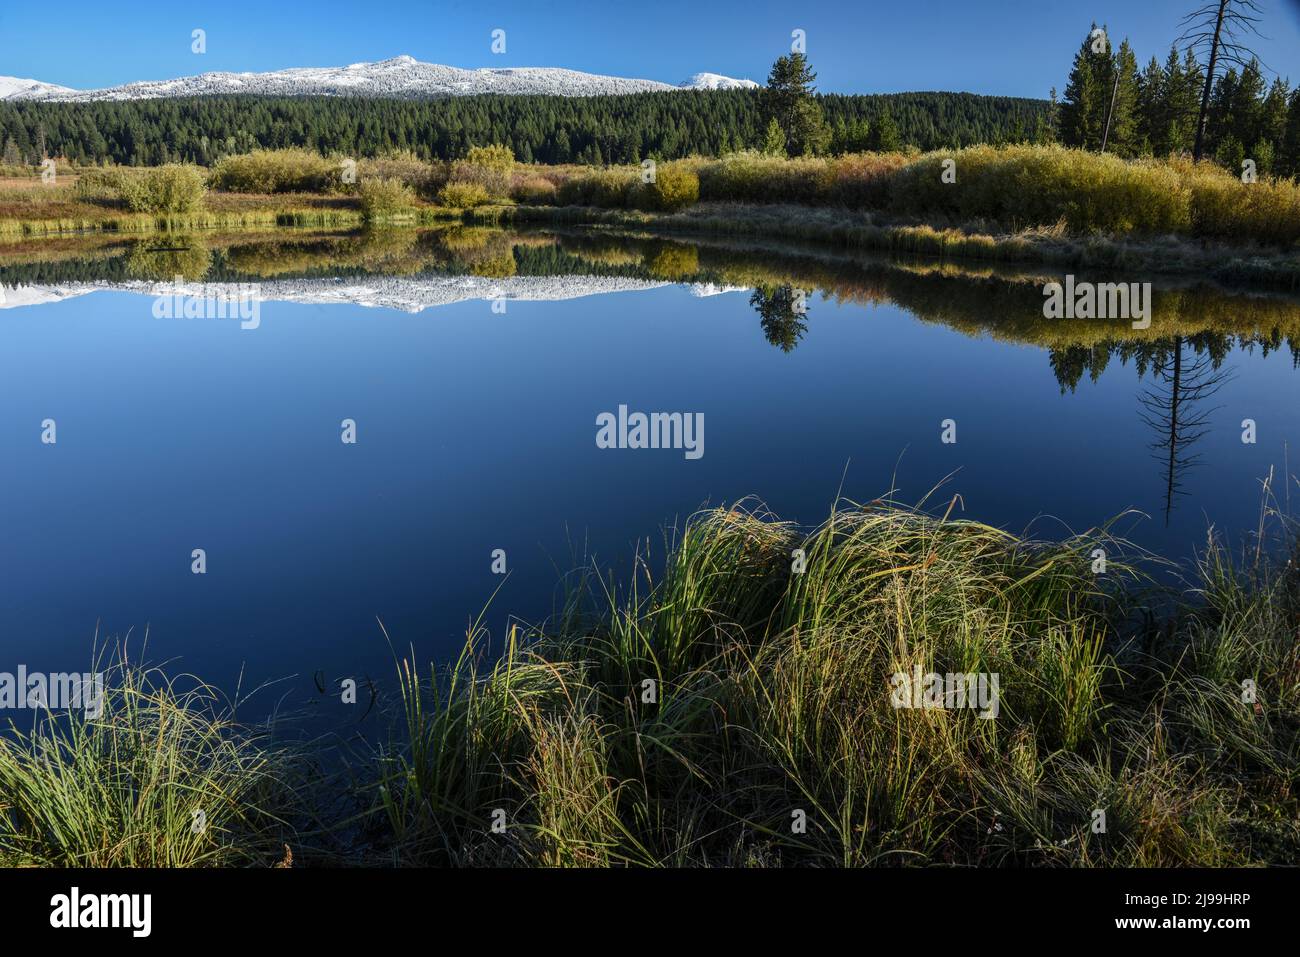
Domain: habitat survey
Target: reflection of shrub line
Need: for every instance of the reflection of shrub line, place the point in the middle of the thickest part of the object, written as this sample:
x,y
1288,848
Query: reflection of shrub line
x,y
851,230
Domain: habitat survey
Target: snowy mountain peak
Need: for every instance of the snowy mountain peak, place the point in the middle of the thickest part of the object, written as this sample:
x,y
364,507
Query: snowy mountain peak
x,y
715,81
400,77
16,88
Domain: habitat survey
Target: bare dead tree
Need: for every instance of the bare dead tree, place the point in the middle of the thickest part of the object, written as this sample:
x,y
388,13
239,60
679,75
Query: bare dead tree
x,y
1219,28
1110,111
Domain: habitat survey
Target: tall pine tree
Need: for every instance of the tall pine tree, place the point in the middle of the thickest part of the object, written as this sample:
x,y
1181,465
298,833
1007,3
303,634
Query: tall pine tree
x,y
1120,128
1087,92
789,100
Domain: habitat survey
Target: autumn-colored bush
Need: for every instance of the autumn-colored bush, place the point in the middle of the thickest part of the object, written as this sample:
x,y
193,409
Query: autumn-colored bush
x,y
607,188
404,166
534,191
1024,186
385,198
756,178
277,171
489,167
174,188
861,180
1224,207
463,195
673,187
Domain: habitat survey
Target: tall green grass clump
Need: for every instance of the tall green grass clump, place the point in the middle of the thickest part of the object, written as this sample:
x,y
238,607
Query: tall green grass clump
x,y
164,777
102,186
688,721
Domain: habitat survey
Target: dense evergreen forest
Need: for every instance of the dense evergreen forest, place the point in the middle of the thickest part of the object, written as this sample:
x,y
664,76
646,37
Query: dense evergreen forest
x,y
545,129
1109,101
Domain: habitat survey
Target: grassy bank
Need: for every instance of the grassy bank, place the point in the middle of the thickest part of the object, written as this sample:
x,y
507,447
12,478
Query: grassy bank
x,y
34,210
737,712
845,229
995,190
1011,203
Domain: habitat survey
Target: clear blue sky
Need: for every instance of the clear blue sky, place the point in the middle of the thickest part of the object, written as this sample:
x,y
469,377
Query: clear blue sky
x,y
1015,47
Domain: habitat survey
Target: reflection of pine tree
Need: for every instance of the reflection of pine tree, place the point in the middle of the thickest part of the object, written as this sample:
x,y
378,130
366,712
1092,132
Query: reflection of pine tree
x,y
1172,405
1071,362
779,309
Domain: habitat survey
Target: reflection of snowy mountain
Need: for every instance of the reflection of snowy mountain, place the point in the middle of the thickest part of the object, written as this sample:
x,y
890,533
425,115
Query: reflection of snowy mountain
x,y
703,289
401,77
13,296
409,294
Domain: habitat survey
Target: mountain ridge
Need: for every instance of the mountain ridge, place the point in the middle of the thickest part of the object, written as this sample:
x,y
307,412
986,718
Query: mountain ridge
x,y
400,77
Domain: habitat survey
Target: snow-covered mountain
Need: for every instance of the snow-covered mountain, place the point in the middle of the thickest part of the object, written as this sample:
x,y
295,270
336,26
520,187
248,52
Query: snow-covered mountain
x,y
715,81
16,88
401,77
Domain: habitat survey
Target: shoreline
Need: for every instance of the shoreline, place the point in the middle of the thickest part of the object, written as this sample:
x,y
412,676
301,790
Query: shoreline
x,y
1166,255
687,726
1228,264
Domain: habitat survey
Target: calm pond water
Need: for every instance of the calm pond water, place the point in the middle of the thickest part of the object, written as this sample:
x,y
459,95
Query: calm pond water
x,y
474,364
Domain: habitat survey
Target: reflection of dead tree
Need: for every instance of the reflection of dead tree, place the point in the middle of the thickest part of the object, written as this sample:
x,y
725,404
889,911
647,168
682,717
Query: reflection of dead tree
x,y
1170,406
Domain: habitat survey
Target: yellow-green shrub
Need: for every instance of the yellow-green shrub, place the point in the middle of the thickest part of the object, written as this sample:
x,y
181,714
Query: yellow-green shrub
x,y
1224,207
385,197
495,157
1020,186
861,180
607,188
674,187
534,191
489,167
174,188
674,263
463,195
404,166
277,171
755,178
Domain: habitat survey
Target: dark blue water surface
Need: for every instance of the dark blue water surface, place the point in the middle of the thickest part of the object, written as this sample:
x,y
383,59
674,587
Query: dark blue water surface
x,y
476,431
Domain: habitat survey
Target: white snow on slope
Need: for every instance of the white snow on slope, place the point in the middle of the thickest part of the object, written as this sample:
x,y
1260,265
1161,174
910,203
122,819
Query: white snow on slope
x,y
401,77
714,81
16,88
